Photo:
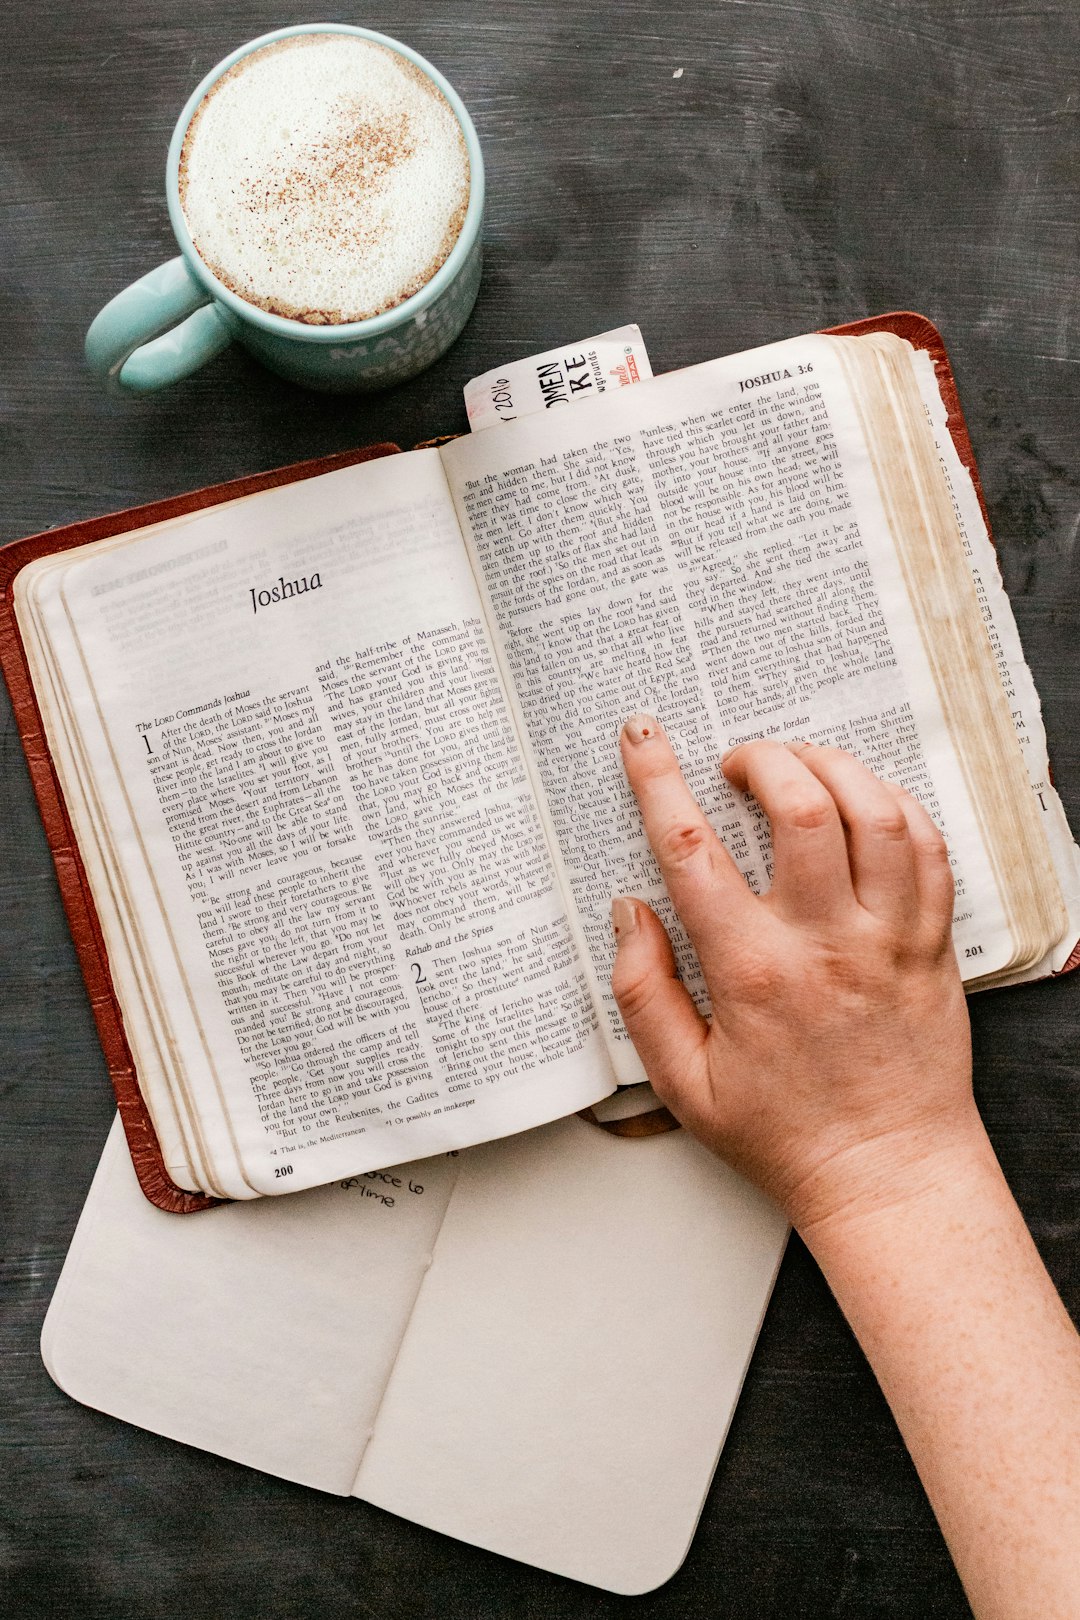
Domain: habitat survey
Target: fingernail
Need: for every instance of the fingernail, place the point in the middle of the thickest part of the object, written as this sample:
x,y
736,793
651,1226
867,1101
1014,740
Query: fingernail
x,y
796,747
623,916
640,727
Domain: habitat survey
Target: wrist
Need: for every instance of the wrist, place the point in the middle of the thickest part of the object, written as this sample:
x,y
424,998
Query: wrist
x,y
887,1177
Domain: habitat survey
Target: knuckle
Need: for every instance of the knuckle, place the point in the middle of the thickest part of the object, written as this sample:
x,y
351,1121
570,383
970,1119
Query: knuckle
x,y
887,822
756,979
863,966
933,847
806,811
932,854
633,989
679,843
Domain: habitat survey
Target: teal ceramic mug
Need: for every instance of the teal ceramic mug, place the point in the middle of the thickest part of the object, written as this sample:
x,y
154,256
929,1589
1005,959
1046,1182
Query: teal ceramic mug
x,y
172,321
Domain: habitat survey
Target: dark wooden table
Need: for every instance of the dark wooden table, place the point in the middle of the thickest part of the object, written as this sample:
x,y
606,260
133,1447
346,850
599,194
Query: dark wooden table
x,y
810,165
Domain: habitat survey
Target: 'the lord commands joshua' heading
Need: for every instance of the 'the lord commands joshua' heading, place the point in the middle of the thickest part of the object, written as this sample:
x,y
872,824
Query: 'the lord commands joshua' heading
x,y
282,591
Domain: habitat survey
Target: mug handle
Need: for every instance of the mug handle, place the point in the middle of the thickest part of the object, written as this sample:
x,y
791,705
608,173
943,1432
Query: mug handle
x,y
135,344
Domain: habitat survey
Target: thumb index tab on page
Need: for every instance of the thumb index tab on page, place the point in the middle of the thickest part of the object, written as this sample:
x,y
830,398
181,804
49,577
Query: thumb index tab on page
x,y
557,377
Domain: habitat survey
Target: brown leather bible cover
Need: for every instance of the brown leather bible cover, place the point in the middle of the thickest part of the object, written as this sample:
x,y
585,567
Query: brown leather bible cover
x,y
71,874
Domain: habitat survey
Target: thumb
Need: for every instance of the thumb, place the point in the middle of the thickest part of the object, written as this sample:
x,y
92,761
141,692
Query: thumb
x,y
661,1019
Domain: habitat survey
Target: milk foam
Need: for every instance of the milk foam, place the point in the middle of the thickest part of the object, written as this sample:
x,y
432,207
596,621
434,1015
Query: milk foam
x,y
324,178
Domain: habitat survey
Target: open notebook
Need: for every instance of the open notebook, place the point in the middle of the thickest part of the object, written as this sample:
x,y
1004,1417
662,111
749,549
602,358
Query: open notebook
x,y
540,1352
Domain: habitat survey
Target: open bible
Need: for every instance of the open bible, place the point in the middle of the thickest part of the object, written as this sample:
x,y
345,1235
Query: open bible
x,y
339,757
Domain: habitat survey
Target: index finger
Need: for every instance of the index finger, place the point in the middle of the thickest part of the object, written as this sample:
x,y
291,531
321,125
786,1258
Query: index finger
x,y
708,890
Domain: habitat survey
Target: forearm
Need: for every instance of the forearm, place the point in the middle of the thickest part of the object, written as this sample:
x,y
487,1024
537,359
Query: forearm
x,y
981,1366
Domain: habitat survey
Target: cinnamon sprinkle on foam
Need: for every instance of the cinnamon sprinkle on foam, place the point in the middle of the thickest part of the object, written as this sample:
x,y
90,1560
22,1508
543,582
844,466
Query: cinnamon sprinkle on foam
x,y
324,178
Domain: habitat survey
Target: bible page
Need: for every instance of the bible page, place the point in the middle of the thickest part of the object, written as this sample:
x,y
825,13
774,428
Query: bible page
x,y
127,964
147,1028
319,806
709,547
1013,670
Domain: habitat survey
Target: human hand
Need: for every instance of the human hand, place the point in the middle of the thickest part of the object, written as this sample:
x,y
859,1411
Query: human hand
x,y
836,1068
836,1072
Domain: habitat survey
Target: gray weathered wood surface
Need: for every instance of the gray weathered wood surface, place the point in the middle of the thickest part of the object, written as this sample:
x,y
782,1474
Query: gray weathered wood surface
x,y
811,165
